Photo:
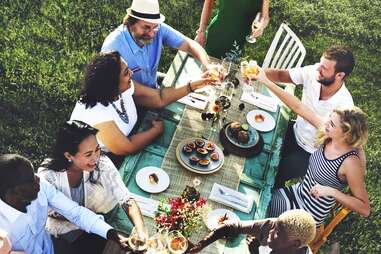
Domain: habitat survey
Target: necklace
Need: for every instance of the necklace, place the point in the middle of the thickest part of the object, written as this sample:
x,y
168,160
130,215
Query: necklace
x,y
122,114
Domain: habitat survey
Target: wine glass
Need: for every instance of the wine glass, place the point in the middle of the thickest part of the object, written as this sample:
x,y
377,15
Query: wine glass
x,y
177,243
158,242
138,239
254,26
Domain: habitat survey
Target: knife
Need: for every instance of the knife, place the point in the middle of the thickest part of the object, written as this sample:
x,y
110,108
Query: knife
x,y
196,98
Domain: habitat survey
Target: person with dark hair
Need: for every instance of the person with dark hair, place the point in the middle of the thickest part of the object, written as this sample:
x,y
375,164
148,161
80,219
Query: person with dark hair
x,y
323,90
232,23
24,203
335,164
141,37
83,174
290,233
107,102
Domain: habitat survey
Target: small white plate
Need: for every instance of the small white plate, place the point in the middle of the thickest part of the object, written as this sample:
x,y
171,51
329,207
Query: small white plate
x,y
143,180
267,124
214,216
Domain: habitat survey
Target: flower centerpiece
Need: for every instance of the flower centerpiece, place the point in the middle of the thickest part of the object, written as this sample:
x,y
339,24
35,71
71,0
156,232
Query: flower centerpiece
x,y
182,213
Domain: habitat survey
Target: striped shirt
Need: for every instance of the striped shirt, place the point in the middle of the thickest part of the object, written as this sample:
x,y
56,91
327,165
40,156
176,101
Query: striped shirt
x,y
320,171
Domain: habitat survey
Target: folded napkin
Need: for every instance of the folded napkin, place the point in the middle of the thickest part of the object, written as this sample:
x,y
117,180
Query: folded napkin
x,y
232,198
148,206
260,100
195,100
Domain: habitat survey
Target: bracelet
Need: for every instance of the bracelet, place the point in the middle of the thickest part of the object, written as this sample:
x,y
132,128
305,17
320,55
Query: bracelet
x,y
190,90
200,30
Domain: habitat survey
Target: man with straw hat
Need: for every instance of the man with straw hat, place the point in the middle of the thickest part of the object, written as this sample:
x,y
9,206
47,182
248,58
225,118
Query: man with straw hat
x,y
140,39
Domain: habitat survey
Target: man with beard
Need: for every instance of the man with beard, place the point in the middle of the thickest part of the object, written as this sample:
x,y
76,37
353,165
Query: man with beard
x,y
140,39
323,90
24,203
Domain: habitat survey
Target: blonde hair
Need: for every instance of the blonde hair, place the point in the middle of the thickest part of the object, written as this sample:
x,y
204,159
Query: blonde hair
x,y
354,123
298,225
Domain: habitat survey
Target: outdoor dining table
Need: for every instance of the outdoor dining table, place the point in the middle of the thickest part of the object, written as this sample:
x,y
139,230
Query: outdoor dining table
x,y
253,176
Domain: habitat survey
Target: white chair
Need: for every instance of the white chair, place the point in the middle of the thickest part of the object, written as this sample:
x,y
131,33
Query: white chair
x,y
286,50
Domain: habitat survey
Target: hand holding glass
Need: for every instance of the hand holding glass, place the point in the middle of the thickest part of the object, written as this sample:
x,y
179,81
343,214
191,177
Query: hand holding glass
x,y
138,239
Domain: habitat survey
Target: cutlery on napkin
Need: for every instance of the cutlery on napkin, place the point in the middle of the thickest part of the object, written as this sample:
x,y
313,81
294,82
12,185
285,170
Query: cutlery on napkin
x,y
260,100
195,100
232,198
148,206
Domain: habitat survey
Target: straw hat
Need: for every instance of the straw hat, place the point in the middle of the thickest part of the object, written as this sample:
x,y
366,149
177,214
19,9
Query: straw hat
x,y
147,10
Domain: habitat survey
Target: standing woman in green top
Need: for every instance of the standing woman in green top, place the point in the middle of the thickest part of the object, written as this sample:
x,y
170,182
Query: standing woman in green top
x,y
232,23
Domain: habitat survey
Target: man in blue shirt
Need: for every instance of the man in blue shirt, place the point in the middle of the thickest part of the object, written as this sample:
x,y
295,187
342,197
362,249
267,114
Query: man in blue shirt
x,y
140,39
24,204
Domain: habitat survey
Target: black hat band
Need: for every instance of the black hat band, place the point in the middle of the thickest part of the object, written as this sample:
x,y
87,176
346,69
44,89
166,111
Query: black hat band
x,y
145,15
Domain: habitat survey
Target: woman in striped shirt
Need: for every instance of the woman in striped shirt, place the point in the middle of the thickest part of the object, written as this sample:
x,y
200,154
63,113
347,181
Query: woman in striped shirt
x,y
339,162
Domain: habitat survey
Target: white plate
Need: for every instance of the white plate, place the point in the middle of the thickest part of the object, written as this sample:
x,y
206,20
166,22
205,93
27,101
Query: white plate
x,y
213,217
267,125
142,179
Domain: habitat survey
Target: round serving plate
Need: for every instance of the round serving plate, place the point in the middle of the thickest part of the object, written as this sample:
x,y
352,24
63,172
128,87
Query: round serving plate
x,y
253,137
184,158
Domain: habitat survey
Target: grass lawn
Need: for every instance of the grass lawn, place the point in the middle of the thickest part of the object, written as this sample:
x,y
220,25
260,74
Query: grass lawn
x,y
46,44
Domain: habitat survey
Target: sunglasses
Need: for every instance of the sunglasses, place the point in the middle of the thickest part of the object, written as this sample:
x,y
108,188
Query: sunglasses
x,y
147,29
129,72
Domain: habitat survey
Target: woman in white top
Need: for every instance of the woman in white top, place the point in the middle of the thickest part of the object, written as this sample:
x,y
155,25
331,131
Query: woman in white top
x,y
79,170
107,102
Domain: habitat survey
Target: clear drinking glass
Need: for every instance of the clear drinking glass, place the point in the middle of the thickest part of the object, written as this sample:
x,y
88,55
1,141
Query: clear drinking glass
x,y
254,26
177,243
138,240
158,242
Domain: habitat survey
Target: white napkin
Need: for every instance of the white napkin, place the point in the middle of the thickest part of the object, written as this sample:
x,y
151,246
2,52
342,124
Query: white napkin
x,y
195,100
234,199
148,206
259,100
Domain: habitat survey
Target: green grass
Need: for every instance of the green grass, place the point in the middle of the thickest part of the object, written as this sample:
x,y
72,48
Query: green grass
x,y
46,44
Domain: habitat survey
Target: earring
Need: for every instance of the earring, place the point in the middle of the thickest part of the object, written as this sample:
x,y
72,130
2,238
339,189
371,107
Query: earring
x,y
69,160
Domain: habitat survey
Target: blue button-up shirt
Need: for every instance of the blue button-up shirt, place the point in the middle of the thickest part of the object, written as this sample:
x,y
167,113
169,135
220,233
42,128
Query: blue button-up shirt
x,y
147,57
27,230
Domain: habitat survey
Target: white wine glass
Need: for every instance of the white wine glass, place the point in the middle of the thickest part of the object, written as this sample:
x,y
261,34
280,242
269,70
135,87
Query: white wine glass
x,y
254,26
158,242
138,239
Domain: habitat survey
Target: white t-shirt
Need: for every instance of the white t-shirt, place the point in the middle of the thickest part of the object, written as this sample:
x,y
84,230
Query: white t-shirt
x,y
100,114
305,133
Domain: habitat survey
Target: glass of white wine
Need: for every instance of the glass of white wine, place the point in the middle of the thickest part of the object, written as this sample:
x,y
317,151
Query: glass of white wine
x,y
138,239
158,242
254,26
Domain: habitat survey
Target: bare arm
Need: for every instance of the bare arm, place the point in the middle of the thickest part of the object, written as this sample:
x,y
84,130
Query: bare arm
x,y
355,176
133,212
196,50
278,76
158,98
204,20
290,100
110,135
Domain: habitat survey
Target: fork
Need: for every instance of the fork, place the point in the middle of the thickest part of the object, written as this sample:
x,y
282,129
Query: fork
x,y
224,193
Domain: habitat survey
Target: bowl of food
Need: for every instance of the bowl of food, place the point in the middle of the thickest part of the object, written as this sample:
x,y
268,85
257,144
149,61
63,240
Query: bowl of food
x,y
177,243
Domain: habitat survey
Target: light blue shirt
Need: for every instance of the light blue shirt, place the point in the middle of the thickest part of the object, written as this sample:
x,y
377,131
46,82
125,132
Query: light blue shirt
x,y
146,57
27,230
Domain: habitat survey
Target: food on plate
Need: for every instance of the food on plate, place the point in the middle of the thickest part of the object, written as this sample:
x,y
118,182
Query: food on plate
x,y
223,218
199,143
202,152
178,243
243,137
245,127
192,145
210,147
259,118
187,149
204,162
235,127
193,160
153,179
214,156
